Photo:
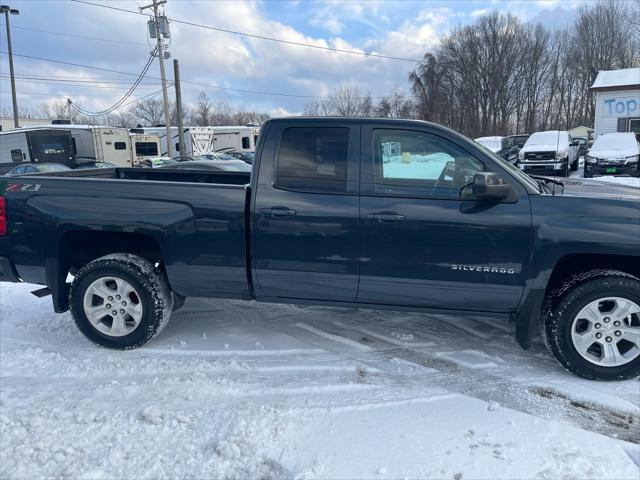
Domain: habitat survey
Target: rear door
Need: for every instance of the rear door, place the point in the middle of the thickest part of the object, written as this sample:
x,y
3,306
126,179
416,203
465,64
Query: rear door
x,y
305,215
424,240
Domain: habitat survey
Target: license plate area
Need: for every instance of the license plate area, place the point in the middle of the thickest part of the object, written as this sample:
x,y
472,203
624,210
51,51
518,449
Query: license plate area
x,y
612,169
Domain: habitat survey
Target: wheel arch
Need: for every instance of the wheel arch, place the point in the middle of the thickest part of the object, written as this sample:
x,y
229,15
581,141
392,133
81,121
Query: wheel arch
x,y
76,248
530,314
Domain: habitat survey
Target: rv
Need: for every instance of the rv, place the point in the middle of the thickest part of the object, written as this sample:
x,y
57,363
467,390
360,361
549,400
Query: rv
x,y
143,146
99,144
200,140
30,145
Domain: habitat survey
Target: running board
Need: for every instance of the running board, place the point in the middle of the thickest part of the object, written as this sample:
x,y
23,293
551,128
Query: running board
x,y
43,292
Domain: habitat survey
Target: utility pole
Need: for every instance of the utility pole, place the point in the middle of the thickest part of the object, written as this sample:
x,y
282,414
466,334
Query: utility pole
x,y
8,10
176,84
165,97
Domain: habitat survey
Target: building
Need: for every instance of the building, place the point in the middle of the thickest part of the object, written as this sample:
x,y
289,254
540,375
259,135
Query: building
x,y
582,132
6,123
617,97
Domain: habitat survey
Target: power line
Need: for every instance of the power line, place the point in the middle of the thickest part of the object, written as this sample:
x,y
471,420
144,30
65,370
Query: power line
x,y
238,90
201,84
259,37
84,37
126,95
76,83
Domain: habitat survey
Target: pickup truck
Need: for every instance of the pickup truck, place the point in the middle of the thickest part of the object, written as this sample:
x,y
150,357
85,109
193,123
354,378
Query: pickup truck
x,y
372,213
552,152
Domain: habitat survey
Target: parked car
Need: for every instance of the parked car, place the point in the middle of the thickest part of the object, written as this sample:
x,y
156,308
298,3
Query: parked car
x,y
156,162
244,156
492,143
95,165
218,165
217,156
184,158
511,146
613,153
29,168
583,145
552,153
373,213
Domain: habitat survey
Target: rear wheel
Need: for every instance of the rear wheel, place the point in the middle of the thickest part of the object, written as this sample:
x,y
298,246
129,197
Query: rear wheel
x,y
593,327
120,301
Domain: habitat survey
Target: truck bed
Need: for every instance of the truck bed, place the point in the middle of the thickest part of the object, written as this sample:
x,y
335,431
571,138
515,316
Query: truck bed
x,y
155,174
196,220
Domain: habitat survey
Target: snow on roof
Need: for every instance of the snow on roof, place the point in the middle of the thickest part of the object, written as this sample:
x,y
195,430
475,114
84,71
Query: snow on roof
x,y
617,78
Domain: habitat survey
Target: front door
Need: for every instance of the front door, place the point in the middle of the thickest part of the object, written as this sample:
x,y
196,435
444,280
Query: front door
x,y
425,241
305,223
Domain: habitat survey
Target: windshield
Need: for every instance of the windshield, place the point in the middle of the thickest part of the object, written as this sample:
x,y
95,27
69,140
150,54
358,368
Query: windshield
x,y
51,167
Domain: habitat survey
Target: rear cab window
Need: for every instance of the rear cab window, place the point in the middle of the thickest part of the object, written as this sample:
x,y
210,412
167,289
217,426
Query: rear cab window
x,y
313,158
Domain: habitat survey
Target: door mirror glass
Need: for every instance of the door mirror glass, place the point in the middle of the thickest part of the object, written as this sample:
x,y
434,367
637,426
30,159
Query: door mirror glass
x,y
491,186
574,143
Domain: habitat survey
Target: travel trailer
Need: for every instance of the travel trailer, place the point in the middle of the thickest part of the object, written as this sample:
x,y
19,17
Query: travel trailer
x,y
31,145
99,144
143,146
200,140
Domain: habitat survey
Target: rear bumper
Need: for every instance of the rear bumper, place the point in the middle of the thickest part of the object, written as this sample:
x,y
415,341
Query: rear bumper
x,y
8,271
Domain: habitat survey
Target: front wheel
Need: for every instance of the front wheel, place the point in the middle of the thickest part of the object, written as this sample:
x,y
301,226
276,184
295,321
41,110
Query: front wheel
x,y
593,328
120,301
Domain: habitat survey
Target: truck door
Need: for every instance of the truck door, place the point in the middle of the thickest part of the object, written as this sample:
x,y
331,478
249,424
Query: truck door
x,y
424,240
305,239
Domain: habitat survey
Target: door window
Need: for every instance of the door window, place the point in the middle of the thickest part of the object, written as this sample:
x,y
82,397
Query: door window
x,y
246,143
120,145
313,158
416,163
16,155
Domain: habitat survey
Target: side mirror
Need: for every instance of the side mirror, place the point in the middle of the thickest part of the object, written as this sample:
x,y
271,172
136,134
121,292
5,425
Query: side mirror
x,y
574,143
491,186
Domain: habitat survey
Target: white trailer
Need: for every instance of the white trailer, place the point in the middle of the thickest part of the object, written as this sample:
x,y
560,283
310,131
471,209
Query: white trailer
x,y
31,145
200,140
100,144
144,146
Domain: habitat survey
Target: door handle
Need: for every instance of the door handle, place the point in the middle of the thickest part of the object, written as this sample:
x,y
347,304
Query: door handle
x,y
386,217
278,212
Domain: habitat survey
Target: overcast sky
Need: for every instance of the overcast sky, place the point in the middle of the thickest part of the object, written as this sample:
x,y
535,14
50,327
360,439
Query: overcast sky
x,y
212,59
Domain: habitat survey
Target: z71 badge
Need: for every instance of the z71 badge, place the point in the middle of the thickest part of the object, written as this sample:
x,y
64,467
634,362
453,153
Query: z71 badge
x,y
486,269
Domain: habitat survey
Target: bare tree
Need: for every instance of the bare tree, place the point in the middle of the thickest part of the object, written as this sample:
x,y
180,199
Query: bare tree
x,y
201,111
148,112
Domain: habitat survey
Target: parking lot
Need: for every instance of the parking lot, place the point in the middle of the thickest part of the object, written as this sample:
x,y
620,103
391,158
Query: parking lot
x,y
235,389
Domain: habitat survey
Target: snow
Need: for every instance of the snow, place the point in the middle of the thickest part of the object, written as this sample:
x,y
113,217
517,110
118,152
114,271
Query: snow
x,y
617,78
492,143
613,179
241,390
621,144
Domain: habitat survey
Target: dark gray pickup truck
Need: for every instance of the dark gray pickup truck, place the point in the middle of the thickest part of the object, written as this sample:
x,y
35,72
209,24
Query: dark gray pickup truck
x,y
367,213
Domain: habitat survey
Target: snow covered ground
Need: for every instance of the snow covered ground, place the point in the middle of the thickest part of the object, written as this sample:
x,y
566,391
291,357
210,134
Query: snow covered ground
x,y
245,390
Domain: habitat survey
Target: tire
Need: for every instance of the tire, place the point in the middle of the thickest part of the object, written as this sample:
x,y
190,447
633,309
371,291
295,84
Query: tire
x,y
565,169
570,330
586,173
144,301
575,165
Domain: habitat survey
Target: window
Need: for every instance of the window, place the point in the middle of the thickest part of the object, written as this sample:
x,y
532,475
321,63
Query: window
x,y
147,149
313,158
177,145
246,143
416,163
120,145
16,155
